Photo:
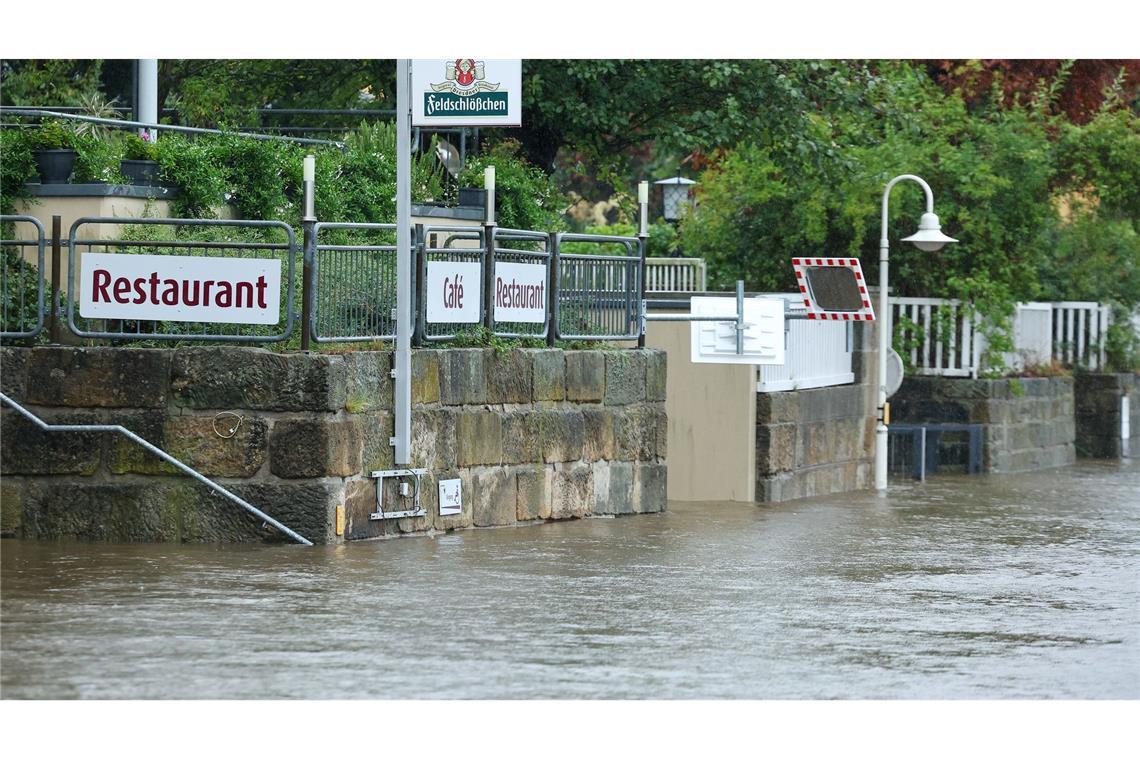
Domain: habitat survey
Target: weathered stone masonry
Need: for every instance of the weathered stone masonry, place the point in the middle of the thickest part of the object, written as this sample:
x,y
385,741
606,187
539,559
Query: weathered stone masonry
x,y
1028,423
533,434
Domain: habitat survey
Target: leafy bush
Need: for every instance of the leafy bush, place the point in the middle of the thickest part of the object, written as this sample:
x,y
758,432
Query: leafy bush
x,y
136,148
17,166
52,135
525,198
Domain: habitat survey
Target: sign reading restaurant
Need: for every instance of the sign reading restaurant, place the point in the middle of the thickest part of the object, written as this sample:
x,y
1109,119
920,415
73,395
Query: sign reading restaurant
x,y
180,288
461,92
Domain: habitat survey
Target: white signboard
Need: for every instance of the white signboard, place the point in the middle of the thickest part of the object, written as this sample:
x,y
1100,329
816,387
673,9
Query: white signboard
x,y
180,288
520,292
715,341
453,290
461,92
450,497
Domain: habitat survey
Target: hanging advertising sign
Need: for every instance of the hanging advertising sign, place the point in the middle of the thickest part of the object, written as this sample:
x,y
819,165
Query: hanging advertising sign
x,y
453,290
520,292
180,288
466,92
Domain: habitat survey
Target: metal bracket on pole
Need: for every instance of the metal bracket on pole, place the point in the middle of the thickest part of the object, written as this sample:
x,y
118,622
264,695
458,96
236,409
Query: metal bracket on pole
x,y
415,511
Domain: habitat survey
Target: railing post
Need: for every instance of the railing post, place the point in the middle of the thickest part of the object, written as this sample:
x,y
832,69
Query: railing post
x,y
56,255
418,311
551,288
642,240
309,255
489,249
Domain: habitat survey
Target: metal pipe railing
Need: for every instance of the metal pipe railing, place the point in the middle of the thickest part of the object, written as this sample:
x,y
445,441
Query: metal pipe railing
x,y
161,455
162,127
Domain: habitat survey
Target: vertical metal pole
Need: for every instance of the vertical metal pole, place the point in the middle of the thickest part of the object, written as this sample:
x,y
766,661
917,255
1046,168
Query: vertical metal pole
x,y
56,244
148,94
418,291
551,286
739,317
308,220
489,250
403,357
642,246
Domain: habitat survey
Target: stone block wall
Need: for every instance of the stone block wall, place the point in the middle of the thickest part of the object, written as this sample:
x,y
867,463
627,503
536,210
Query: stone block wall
x,y
813,442
1098,407
820,441
1028,423
532,434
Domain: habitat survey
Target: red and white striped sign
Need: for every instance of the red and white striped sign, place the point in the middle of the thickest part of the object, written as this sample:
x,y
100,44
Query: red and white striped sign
x,y
862,313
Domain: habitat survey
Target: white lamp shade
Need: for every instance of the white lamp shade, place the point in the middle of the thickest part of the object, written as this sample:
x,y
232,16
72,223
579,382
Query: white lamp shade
x,y
929,237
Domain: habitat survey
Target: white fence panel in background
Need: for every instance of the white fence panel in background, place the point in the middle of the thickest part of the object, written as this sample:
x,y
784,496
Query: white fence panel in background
x,y
940,335
818,354
674,275
1079,329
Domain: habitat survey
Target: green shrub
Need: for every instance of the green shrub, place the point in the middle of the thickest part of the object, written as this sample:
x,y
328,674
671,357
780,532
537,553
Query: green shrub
x,y
52,135
525,198
136,148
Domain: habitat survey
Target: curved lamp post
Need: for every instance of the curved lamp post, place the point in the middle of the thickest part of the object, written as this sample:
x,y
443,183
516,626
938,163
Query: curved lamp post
x,y
928,238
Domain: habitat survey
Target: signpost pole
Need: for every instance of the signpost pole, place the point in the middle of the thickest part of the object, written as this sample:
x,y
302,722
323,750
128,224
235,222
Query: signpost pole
x,y
642,248
403,356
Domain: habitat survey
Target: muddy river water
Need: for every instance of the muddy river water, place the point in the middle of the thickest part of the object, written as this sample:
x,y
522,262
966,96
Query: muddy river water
x,y
1022,586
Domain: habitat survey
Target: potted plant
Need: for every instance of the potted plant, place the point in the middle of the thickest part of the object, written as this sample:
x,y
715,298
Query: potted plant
x,y
53,148
140,160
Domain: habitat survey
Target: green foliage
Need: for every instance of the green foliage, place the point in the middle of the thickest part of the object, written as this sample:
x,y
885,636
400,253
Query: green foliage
x,y
135,148
17,167
20,283
481,337
58,82
525,198
192,167
97,160
1122,342
52,135
999,175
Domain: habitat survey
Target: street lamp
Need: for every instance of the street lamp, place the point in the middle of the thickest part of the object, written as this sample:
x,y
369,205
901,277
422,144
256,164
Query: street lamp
x,y
929,238
675,196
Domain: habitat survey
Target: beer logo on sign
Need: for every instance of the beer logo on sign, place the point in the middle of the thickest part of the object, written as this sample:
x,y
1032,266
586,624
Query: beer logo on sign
x,y
465,76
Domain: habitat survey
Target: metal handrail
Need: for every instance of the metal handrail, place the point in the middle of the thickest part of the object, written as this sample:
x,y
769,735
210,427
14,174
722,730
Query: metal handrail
x,y
161,127
160,454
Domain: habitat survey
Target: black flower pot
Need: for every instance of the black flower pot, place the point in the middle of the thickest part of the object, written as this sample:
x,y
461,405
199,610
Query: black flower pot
x,y
54,166
140,172
473,196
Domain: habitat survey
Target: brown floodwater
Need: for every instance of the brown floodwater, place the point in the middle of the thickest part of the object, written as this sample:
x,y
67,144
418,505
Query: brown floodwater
x,y
1020,586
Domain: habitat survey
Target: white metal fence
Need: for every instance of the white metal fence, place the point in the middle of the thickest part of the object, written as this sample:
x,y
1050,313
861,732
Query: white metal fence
x,y
1079,329
818,354
674,275
939,337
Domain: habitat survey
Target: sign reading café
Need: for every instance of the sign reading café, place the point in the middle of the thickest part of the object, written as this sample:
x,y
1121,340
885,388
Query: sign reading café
x,y
466,92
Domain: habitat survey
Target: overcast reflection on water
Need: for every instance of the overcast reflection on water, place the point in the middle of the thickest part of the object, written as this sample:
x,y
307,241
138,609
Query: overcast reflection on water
x,y
987,587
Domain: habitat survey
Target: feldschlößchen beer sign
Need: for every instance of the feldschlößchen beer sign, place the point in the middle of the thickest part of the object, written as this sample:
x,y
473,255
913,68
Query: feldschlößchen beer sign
x,y
467,92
